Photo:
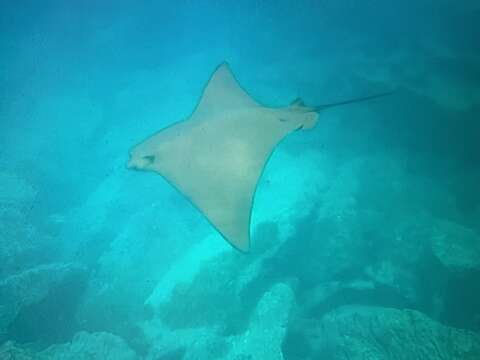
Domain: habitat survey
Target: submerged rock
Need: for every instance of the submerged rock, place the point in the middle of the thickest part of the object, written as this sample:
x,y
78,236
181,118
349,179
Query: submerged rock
x,y
85,346
188,344
11,351
354,332
456,253
456,247
262,339
198,298
21,244
268,324
22,291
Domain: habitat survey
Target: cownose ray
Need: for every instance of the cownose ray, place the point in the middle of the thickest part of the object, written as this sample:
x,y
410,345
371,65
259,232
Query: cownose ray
x,y
216,156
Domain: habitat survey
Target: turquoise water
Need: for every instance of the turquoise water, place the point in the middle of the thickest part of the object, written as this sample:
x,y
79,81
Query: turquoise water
x,y
365,231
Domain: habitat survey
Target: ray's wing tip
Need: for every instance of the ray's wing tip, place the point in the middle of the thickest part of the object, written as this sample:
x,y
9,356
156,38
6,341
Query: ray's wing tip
x,y
242,248
223,65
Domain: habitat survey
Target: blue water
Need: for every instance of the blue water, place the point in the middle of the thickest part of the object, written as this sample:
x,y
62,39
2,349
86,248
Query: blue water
x,y
378,206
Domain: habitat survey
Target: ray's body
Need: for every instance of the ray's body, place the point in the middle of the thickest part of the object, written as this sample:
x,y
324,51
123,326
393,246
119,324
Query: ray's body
x,y
216,156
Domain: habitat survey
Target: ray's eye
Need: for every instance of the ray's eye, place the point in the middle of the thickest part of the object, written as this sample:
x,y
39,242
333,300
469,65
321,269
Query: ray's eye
x,y
150,159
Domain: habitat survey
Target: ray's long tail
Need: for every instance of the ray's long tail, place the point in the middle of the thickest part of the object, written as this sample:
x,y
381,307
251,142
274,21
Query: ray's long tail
x,y
360,99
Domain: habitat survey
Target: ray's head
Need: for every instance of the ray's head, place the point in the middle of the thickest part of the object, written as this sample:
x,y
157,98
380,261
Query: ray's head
x,y
140,158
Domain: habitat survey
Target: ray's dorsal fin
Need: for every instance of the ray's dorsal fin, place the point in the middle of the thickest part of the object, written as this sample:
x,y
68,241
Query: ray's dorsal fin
x,y
223,92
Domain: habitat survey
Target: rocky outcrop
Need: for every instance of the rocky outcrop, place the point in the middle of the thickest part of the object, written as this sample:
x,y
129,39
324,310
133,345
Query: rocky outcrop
x,y
268,325
456,247
188,344
84,346
21,291
19,239
262,339
198,299
11,351
353,332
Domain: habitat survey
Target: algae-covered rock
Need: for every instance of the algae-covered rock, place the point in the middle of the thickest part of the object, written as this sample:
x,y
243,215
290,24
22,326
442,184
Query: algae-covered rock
x,y
221,291
30,287
86,346
11,351
456,247
21,244
264,337
188,344
373,333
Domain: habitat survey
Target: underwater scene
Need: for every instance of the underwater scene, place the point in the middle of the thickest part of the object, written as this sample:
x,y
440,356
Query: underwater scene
x,y
240,180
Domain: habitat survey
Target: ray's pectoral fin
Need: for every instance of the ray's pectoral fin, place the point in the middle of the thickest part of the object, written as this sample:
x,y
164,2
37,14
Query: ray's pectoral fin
x,y
215,157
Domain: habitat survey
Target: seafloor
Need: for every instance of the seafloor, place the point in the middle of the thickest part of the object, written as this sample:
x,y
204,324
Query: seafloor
x,y
365,230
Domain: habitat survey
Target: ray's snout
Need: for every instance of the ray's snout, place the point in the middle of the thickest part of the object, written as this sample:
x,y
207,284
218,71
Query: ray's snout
x,y
131,163
136,162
